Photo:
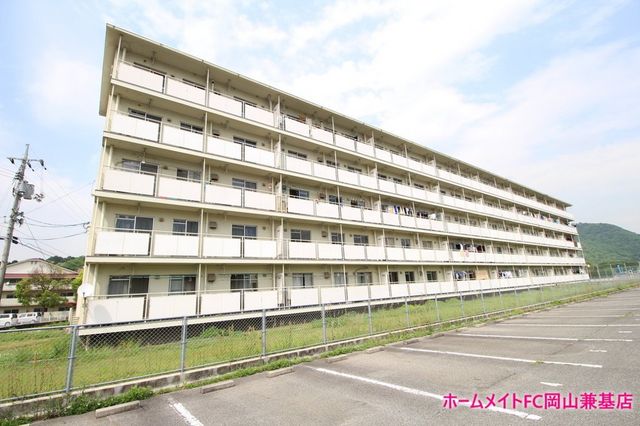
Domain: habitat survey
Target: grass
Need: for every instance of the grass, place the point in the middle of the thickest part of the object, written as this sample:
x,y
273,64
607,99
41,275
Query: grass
x,y
34,362
81,404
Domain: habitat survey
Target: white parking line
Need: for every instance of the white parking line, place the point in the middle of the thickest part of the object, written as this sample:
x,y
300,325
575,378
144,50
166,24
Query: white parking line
x,y
419,392
531,324
624,332
582,308
597,350
184,413
576,316
551,384
569,339
501,358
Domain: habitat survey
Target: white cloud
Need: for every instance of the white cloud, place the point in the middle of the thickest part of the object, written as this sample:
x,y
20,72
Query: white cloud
x,y
66,91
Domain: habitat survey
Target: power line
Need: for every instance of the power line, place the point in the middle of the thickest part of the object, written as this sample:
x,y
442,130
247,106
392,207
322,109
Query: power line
x,y
60,225
53,238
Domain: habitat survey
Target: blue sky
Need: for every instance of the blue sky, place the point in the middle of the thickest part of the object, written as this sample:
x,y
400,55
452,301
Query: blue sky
x,y
543,92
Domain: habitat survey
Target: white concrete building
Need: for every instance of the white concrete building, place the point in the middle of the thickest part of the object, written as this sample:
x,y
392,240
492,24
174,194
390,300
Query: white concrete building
x,y
28,268
219,194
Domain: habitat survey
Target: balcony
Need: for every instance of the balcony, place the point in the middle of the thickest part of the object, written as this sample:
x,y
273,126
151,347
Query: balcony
x,y
296,126
194,93
122,180
175,136
226,148
187,91
103,309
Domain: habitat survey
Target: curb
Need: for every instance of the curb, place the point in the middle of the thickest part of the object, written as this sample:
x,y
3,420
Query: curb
x,y
120,408
217,386
279,372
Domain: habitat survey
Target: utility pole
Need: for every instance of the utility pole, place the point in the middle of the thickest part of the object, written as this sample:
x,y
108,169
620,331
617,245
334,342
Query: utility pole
x,y
21,189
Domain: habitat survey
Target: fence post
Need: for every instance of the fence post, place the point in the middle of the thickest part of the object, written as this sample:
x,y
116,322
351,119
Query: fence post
x,y
500,294
541,293
71,358
264,332
437,309
183,348
324,325
370,321
406,311
515,291
461,304
484,309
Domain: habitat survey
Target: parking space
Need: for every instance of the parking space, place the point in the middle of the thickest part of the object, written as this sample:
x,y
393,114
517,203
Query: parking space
x,y
575,351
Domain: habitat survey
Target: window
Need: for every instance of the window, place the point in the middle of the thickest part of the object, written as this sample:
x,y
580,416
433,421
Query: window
x,y
334,199
243,141
302,280
182,284
244,282
418,185
244,184
138,223
190,127
331,163
382,177
405,242
432,276
389,241
340,278
144,115
396,180
299,193
192,175
410,276
118,285
301,235
248,232
363,278
337,238
296,154
361,240
138,166
185,227
354,169
393,277
357,203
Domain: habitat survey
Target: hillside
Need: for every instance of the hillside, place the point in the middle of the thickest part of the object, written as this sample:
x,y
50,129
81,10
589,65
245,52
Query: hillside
x,y
73,263
604,243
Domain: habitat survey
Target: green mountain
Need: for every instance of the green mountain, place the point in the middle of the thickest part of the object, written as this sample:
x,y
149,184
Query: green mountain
x,y
71,262
605,244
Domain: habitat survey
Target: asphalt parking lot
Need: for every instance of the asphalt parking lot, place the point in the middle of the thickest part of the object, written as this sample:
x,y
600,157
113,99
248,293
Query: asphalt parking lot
x,y
584,355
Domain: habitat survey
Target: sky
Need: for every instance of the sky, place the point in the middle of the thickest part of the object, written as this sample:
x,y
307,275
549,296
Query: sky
x,y
545,93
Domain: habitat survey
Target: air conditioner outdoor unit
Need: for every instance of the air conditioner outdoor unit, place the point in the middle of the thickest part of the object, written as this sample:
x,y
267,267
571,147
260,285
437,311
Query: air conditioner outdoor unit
x,y
213,225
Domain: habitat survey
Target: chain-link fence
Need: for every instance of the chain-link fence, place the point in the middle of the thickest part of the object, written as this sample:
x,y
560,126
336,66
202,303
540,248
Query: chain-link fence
x,y
45,360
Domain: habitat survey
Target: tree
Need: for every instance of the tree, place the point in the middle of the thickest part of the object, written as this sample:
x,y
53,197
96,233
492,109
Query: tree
x,y
77,282
41,290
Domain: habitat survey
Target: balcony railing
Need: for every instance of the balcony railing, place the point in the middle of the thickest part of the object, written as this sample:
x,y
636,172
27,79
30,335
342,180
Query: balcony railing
x,y
155,243
122,308
187,91
172,135
170,187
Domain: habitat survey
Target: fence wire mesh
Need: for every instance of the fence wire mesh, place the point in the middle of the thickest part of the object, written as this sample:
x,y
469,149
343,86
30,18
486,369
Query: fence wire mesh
x,y
36,361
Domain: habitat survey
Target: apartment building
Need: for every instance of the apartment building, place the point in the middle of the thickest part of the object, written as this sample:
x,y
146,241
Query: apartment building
x,y
217,194
26,269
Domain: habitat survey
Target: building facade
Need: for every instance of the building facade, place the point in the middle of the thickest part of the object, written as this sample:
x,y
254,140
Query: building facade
x,y
26,269
218,194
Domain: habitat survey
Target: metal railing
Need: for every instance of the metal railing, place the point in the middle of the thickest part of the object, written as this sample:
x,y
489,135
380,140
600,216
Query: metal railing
x,y
171,187
48,360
